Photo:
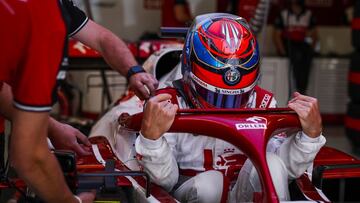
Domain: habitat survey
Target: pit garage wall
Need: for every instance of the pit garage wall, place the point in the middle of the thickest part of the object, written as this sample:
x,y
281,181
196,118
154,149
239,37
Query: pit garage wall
x,y
328,83
129,19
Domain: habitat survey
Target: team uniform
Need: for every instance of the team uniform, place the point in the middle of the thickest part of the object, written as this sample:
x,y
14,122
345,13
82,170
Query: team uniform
x,y
33,49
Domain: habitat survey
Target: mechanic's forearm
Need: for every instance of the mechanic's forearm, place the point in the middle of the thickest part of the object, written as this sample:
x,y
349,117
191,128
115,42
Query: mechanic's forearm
x,y
33,161
110,46
6,102
116,53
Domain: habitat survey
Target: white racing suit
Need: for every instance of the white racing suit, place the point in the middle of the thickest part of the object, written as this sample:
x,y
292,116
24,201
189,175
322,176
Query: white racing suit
x,y
196,168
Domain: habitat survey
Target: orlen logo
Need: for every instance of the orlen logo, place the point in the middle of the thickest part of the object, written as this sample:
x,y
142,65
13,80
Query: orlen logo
x,y
255,123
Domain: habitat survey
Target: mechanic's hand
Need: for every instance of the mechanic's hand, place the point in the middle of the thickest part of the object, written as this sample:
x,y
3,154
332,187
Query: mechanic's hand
x,y
138,81
159,115
64,136
87,197
307,109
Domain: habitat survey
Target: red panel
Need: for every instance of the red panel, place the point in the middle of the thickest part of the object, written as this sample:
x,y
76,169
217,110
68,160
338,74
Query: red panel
x,y
352,123
355,24
354,77
331,156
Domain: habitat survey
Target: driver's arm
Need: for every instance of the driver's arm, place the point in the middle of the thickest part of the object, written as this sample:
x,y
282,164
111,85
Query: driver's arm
x,y
155,154
298,151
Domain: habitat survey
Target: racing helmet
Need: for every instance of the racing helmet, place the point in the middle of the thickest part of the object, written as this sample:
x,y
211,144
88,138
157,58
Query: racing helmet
x,y
220,62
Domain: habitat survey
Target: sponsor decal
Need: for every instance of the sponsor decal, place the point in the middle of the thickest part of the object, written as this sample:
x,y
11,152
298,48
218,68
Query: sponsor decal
x,y
232,76
254,122
265,101
232,92
200,82
242,126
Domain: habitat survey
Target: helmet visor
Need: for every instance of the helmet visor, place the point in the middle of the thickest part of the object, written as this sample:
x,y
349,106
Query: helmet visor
x,y
219,100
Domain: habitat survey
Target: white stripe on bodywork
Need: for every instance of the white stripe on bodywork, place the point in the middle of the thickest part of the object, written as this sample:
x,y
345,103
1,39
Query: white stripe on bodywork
x,y
322,194
97,154
140,190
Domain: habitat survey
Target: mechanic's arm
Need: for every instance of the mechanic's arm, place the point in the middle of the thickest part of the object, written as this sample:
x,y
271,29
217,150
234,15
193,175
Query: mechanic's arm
x,y
32,159
154,152
30,154
117,55
61,135
298,151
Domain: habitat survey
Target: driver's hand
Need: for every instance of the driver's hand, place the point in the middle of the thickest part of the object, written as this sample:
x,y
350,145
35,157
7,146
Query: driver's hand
x,y
307,109
143,84
87,197
159,114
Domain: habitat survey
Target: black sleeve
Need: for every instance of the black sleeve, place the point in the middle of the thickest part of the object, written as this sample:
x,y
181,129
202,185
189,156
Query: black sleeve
x,y
178,2
77,18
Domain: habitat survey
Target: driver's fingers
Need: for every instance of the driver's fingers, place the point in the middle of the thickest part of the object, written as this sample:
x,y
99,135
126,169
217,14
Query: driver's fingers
x,y
160,97
301,110
302,102
298,96
165,103
173,108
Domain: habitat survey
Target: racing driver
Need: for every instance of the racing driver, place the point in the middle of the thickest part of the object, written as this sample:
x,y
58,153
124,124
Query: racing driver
x,y
219,69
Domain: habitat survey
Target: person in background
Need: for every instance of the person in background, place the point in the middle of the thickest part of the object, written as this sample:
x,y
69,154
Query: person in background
x,y
295,36
175,13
